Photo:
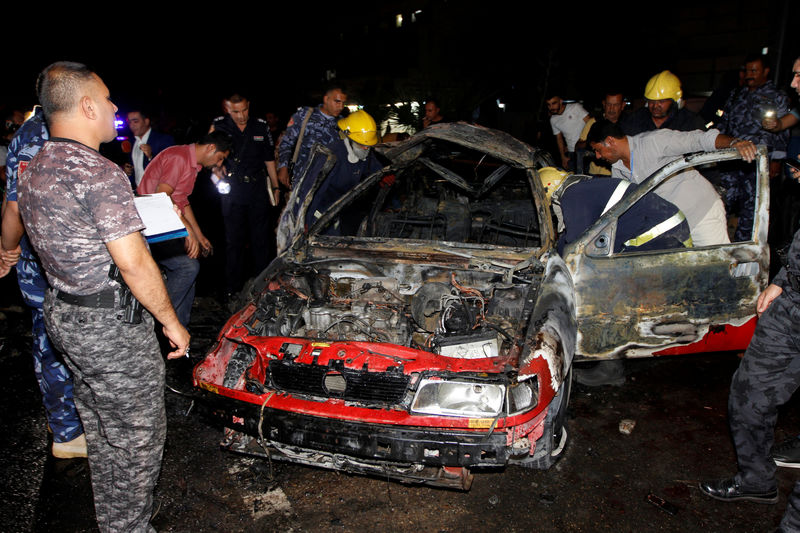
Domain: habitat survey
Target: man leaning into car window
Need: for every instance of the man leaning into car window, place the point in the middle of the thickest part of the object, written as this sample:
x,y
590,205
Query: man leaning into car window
x,y
635,158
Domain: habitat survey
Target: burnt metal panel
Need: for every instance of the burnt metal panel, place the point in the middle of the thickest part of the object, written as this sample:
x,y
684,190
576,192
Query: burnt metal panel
x,y
632,304
392,444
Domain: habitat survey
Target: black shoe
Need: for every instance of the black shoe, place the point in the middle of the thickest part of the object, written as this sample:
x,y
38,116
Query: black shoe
x,y
603,373
728,490
787,453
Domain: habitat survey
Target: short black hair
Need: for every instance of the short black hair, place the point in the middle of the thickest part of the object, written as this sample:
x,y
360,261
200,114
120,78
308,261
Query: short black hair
x,y
602,129
554,91
758,56
237,98
221,140
142,111
332,86
58,84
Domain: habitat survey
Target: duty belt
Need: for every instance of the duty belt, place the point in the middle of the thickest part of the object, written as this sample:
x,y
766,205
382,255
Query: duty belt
x,y
121,298
106,299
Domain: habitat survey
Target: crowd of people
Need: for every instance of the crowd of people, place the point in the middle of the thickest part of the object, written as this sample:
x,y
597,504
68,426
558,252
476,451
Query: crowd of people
x,y
97,288
635,144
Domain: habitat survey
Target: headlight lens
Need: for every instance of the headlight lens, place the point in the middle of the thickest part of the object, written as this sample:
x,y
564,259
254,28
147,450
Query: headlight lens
x,y
457,398
522,396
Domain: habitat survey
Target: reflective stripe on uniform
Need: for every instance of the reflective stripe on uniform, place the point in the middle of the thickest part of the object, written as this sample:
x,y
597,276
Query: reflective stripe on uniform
x,y
657,230
616,196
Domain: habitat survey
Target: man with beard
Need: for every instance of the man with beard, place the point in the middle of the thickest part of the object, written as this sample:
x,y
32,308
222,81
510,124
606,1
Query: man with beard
x,y
567,121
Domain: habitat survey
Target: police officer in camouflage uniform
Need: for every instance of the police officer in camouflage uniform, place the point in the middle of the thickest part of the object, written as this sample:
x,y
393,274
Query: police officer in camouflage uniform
x,y
768,375
54,378
316,125
79,213
744,113
246,209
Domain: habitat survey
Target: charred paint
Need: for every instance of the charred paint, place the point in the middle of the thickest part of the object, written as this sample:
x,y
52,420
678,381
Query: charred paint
x,y
636,304
643,299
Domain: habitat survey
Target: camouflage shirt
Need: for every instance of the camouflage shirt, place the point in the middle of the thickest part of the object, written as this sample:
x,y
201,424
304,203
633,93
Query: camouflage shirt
x,y
26,143
745,110
73,201
320,128
792,266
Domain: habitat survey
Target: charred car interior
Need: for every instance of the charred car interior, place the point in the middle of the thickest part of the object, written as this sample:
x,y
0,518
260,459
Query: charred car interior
x,y
424,327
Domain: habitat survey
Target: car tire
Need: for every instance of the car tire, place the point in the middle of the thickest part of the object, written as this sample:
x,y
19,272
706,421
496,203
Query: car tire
x,y
553,442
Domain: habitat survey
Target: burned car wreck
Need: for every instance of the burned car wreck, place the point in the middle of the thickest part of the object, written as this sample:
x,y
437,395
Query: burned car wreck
x,y
425,327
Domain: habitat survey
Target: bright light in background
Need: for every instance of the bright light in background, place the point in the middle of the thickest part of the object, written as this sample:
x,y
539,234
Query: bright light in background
x,y
392,125
398,21
500,104
119,124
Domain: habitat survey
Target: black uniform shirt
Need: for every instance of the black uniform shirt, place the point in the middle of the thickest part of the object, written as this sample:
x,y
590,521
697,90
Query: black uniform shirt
x,y
245,166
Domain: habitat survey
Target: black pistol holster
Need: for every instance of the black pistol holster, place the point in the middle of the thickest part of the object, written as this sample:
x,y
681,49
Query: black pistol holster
x,y
132,309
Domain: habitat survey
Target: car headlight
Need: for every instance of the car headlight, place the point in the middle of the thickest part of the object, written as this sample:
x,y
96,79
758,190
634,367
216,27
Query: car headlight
x,y
458,398
523,395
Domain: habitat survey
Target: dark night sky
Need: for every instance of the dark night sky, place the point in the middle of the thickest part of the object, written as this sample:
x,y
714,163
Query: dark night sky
x,y
186,66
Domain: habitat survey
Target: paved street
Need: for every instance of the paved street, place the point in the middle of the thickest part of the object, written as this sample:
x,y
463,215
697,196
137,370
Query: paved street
x,y
680,436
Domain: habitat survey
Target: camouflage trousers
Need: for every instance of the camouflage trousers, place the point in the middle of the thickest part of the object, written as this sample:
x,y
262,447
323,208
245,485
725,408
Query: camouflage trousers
x,y
768,375
118,372
53,377
740,199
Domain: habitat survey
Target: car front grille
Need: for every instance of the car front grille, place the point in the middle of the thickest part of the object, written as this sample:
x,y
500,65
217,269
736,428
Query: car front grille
x,y
344,383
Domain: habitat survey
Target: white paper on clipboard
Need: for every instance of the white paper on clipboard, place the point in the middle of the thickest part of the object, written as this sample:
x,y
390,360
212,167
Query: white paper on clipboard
x,y
160,219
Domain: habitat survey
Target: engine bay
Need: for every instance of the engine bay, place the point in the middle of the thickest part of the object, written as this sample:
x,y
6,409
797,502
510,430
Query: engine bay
x,y
463,314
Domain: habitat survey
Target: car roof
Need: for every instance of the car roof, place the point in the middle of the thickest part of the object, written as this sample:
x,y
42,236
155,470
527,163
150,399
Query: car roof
x,y
499,144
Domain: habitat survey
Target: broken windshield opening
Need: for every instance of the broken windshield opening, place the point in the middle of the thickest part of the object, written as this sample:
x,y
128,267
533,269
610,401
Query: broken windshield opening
x,y
453,194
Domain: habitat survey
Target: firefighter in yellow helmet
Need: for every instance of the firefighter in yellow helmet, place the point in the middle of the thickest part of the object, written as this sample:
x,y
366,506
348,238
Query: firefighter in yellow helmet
x,y
359,127
664,108
355,160
551,178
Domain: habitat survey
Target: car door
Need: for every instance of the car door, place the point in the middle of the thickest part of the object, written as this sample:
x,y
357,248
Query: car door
x,y
682,300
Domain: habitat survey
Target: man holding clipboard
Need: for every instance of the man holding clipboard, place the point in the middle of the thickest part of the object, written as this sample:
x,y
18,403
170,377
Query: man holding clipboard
x,y
174,172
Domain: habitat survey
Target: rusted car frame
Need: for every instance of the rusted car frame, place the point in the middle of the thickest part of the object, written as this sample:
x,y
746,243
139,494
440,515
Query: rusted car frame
x,y
686,300
388,352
